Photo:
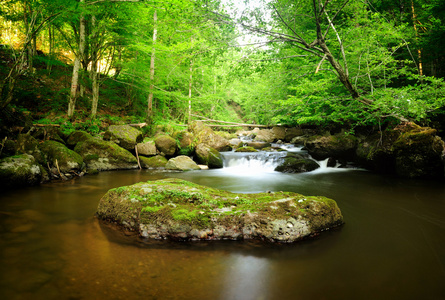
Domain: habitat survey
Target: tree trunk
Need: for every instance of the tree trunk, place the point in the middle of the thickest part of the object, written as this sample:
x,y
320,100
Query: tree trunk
x,y
190,92
94,73
152,68
76,67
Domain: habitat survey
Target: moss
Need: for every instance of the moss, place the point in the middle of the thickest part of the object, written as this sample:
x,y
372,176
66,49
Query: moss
x,y
246,149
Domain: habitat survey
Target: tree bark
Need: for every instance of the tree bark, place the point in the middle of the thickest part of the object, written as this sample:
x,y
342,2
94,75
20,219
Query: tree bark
x,y
76,67
94,72
152,68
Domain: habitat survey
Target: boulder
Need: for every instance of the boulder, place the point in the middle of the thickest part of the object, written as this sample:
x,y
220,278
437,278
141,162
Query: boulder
x,y
291,133
337,146
185,142
408,150
166,145
8,148
264,135
19,171
206,155
295,163
105,155
246,149
77,136
49,133
124,135
154,162
181,163
59,156
26,143
180,210
205,135
279,133
147,148
258,145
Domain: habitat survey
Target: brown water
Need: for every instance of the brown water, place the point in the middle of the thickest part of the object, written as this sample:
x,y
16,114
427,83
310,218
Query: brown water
x,y
391,247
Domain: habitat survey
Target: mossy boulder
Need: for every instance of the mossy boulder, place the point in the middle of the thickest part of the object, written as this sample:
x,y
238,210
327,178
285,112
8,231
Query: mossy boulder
x,y
49,133
246,149
154,162
19,171
419,153
205,135
339,146
166,145
258,145
147,148
294,163
181,163
181,210
26,143
185,142
8,148
76,137
105,155
60,157
124,135
408,150
208,156
264,135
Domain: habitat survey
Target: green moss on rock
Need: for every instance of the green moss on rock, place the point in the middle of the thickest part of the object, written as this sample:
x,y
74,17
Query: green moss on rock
x,y
178,209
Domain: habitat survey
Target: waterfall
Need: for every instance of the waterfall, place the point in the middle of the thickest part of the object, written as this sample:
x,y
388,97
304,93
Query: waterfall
x,y
252,162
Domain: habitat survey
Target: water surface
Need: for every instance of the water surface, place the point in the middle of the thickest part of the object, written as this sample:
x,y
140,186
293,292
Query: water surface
x,y
391,247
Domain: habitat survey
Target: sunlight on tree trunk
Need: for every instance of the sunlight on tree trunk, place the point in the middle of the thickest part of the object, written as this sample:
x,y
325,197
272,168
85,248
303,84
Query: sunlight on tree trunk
x,y
94,72
419,51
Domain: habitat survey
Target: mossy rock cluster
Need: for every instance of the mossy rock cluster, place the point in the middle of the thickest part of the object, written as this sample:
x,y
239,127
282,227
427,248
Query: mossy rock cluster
x,y
19,171
181,210
124,135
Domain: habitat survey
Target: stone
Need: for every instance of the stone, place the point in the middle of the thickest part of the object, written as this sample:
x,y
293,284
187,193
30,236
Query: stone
x,y
124,135
294,163
265,135
105,155
336,146
181,163
180,210
19,171
208,156
76,137
147,148
154,162
166,145
58,156
185,142
205,135
246,149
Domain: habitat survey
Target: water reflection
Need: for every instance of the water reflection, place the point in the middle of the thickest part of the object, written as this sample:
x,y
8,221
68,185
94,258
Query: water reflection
x,y
246,278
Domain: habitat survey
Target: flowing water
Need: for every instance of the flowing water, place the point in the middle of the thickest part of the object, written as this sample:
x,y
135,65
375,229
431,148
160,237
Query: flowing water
x,y
392,245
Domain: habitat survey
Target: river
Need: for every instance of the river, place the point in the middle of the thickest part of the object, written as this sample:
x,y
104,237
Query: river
x,y
392,245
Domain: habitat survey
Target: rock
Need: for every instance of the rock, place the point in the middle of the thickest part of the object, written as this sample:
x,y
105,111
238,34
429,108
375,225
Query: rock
x,y
265,135
57,154
236,143
181,210
419,153
49,133
291,133
8,148
76,137
258,145
294,163
155,162
166,145
246,149
185,142
124,135
408,150
181,163
26,143
19,171
205,135
336,146
105,155
279,133
208,156
147,148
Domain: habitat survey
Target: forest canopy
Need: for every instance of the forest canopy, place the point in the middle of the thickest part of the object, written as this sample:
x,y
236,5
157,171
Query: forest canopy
x,y
298,62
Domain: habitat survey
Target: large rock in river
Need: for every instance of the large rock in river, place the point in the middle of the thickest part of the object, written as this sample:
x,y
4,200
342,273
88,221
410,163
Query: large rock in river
x,y
205,135
181,163
166,145
338,146
208,156
19,171
104,155
124,135
295,163
58,155
181,210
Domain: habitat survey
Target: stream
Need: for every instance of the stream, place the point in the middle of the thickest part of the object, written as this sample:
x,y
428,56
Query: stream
x,y
392,245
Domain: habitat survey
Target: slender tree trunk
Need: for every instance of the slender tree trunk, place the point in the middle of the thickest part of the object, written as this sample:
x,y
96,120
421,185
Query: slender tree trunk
x,y
190,92
94,73
419,51
152,68
76,67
